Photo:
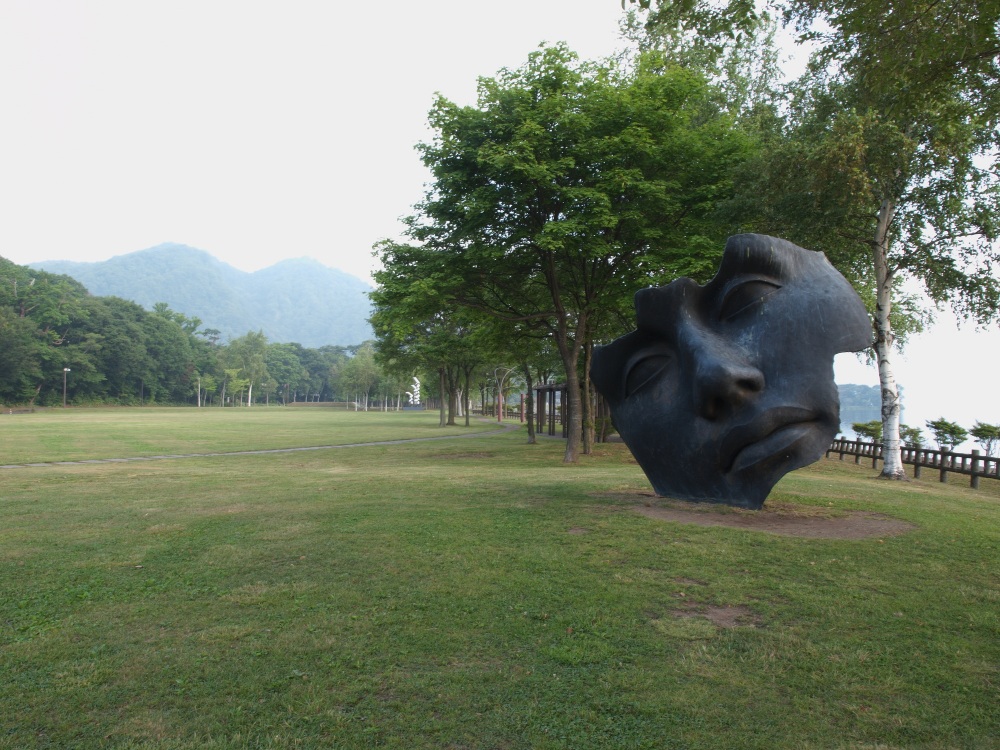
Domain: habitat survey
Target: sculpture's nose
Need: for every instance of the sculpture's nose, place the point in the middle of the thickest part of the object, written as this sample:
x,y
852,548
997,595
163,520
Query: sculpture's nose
x,y
723,378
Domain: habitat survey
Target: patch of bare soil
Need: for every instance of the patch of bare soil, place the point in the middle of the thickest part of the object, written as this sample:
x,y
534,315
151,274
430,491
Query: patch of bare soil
x,y
723,617
786,519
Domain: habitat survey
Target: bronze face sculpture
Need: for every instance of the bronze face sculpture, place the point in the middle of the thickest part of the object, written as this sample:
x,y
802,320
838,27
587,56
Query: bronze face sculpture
x,y
726,387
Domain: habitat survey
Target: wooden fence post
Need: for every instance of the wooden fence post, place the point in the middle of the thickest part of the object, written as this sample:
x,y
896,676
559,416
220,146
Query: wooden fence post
x,y
944,465
974,479
918,457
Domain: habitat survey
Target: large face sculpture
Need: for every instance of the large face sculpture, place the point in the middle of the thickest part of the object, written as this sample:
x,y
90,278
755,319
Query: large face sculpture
x,y
726,387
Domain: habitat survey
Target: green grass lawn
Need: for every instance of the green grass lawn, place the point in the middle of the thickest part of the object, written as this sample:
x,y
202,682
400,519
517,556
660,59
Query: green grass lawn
x,y
467,593
80,434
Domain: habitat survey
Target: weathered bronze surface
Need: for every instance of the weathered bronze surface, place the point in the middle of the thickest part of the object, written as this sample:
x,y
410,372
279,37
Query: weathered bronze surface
x,y
724,388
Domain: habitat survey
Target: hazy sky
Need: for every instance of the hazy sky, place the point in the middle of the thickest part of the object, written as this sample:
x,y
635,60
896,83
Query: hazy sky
x,y
264,131
254,131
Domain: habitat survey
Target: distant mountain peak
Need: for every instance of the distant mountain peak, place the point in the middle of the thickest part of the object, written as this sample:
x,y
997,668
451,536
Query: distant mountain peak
x,y
295,300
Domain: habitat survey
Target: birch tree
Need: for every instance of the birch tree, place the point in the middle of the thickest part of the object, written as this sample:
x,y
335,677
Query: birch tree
x,y
249,354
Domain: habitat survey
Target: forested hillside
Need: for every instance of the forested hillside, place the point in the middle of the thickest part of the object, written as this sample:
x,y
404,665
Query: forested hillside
x,y
61,344
297,300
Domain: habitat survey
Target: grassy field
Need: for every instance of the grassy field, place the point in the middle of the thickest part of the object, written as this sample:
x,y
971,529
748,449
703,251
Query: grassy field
x,y
80,434
467,593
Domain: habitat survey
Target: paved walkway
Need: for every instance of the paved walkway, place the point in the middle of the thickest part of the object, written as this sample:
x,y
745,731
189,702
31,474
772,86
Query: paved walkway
x,y
507,427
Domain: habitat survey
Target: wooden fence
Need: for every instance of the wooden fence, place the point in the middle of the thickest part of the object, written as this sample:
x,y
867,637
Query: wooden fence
x,y
974,465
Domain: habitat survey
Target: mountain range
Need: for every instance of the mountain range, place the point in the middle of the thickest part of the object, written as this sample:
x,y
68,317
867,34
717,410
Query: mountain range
x,y
298,300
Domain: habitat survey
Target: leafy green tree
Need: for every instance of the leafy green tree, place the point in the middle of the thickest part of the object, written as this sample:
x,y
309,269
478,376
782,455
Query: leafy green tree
x,y
947,434
122,356
987,435
170,377
912,437
361,373
248,354
284,364
871,430
331,361
54,305
568,186
188,325
235,384
207,384
20,363
420,329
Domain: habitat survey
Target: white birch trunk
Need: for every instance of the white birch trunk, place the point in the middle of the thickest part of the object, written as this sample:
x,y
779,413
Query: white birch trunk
x,y
891,455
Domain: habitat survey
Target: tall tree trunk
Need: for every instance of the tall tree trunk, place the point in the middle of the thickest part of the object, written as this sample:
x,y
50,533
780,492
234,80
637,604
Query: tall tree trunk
x,y
569,351
451,378
250,395
531,402
467,394
574,408
892,467
443,417
588,400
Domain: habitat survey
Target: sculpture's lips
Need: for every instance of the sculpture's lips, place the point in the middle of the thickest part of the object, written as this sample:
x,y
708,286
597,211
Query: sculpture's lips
x,y
772,432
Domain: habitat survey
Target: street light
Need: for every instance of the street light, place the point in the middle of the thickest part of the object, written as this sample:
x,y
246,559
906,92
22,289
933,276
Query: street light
x,y
65,370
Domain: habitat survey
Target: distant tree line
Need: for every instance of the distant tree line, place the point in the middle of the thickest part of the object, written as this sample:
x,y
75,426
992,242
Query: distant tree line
x,y
107,350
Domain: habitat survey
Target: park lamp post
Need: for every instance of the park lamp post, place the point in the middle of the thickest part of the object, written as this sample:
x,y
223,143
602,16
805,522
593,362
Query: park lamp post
x,y
65,370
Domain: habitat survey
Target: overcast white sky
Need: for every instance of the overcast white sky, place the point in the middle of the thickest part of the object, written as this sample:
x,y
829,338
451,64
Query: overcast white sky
x,y
255,131
264,131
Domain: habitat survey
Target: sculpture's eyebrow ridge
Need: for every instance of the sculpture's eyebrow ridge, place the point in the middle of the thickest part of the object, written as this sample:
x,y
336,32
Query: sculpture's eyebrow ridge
x,y
753,257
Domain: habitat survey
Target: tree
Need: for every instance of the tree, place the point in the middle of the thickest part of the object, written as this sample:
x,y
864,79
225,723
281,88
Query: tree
x,y
248,354
20,365
234,384
987,435
123,357
947,434
361,373
54,305
912,437
570,185
884,159
285,366
170,377
419,328
871,430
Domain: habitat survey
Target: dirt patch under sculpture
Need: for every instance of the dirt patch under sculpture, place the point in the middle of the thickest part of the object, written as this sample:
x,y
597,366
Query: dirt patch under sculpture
x,y
785,519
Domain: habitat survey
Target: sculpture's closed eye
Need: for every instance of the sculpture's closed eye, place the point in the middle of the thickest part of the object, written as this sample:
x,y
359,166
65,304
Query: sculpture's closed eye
x,y
645,369
742,297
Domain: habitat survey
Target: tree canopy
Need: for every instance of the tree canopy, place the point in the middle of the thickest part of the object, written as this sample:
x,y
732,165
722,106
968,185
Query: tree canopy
x,y
567,187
